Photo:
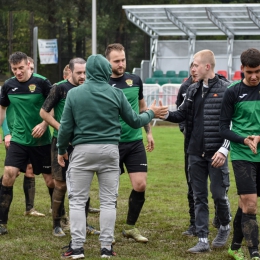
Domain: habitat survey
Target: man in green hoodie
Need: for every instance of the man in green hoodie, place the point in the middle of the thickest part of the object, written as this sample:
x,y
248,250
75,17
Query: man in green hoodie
x,y
55,101
90,122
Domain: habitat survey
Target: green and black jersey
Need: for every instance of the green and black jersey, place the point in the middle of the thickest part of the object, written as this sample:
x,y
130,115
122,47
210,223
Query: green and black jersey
x,y
240,117
10,116
26,99
132,87
56,100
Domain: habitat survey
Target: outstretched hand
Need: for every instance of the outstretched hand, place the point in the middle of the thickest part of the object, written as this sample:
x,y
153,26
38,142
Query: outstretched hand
x,y
159,111
252,142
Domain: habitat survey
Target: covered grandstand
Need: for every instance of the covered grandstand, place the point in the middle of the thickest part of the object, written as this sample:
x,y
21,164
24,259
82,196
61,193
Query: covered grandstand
x,y
189,22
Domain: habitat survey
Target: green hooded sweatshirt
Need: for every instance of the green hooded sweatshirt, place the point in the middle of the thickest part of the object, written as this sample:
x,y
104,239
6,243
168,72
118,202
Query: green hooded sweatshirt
x,y
91,111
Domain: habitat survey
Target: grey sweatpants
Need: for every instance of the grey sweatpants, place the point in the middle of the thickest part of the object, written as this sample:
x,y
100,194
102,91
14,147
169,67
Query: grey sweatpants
x,y
85,161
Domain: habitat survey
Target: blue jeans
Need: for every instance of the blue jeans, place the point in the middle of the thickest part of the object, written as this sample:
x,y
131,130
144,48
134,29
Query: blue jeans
x,y
200,169
85,161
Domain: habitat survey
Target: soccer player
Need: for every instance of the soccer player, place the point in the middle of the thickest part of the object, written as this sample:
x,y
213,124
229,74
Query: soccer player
x,y
30,136
131,147
29,177
241,106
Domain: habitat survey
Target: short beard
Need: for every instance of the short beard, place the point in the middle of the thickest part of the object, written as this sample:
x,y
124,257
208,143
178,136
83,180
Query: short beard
x,y
117,73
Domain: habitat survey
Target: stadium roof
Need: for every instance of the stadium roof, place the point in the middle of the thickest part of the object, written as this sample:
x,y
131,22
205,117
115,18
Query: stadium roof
x,y
196,20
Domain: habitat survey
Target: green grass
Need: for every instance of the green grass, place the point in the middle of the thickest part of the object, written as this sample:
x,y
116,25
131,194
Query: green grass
x,y
163,218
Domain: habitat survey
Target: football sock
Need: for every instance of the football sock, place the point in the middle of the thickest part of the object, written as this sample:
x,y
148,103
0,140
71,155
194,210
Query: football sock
x,y
51,192
86,210
57,206
250,231
6,197
135,204
29,192
237,231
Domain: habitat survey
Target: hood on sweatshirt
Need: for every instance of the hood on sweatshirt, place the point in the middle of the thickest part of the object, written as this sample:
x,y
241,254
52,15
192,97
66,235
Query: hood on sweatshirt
x,y
98,68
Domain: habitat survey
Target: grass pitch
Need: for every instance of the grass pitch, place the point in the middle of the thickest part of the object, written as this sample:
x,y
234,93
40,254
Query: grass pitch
x,y
163,218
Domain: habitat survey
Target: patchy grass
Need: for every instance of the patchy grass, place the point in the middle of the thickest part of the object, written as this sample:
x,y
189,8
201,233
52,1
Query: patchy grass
x,y
163,218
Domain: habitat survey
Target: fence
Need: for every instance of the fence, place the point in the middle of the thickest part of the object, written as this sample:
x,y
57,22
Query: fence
x,y
166,93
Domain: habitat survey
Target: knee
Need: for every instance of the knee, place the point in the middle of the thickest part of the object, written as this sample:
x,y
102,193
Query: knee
x,y
140,186
10,173
250,208
49,181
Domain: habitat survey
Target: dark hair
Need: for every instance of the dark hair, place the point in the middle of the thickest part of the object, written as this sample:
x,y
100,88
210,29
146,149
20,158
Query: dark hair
x,y
76,60
250,58
113,47
18,57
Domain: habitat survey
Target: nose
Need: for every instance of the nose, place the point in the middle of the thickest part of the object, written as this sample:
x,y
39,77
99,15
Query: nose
x,y
17,71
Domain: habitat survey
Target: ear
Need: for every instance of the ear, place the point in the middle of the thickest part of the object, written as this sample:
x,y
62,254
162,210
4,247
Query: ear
x,y
242,68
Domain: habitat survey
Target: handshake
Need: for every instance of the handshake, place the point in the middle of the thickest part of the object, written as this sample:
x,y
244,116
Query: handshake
x,y
159,111
252,142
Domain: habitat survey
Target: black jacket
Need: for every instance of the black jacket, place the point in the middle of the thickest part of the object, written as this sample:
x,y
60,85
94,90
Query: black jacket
x,y
212,104
180,97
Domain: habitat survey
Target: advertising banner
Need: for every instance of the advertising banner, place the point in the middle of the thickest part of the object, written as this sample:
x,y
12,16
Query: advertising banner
x,y
48,51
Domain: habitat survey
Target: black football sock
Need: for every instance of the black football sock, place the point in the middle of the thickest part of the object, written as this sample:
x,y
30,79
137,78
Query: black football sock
x,y
86,210
6,197
29,192
250,231
135,204
51,192
237,231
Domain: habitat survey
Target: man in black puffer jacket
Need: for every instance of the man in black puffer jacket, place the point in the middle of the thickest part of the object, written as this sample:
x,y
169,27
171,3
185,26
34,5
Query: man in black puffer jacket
x,y
207,150
191,231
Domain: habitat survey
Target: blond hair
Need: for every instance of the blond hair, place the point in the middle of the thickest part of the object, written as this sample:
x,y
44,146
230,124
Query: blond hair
x,y
206,56
66,71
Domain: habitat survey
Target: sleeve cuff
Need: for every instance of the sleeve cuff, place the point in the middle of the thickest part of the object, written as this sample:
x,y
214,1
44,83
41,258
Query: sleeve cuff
x,y
223,150
167,115
62,151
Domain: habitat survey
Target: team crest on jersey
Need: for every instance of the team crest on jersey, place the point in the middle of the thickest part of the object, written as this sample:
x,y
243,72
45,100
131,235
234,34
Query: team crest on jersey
x,y
129,82
32,87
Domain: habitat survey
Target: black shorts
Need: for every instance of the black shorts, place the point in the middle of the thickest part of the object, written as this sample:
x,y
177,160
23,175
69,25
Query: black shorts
x,y
247,176
133,156
21,170
58,172
39,156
